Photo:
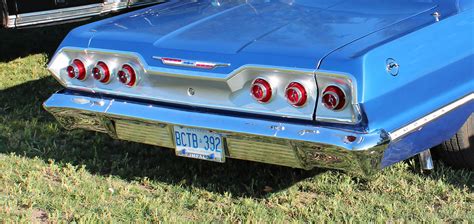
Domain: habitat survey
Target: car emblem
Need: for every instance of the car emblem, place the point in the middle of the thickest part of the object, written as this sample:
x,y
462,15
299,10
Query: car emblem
x,y
190,63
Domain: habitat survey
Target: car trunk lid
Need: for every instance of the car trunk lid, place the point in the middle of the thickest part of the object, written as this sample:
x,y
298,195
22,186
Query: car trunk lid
x,y
273,38
240,31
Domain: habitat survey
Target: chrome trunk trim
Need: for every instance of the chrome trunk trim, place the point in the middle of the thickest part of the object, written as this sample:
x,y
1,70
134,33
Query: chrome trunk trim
x,y
283,143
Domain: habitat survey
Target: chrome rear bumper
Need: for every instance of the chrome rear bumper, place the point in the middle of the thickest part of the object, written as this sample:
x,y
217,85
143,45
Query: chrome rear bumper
x,y
283,143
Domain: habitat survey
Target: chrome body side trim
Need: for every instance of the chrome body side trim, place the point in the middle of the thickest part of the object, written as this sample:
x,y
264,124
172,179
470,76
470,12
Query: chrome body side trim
x,y
11,21
36,18
405,130
49,16
139,3
283,143
114,6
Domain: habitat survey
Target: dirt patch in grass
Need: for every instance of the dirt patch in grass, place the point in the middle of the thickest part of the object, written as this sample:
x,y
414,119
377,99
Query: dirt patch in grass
x,y
39,216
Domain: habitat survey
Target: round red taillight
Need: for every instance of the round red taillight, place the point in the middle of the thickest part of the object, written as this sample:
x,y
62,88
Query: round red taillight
x,y
296,94
76,70
261,90
101,72
334,98
127,75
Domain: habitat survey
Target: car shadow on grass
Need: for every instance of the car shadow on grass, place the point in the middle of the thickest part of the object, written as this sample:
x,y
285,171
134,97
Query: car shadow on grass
x,y
23,42
18,43
27,129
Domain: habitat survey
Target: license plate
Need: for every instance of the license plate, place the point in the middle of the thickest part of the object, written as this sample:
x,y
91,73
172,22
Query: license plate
x,y
199,144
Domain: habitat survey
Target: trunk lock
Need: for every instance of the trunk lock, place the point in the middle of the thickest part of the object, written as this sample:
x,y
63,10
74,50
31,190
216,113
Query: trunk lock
x,y
392,67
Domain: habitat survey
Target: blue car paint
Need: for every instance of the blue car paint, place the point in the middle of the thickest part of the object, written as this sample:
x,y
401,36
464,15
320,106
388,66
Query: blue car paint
x,y
429,136
265,32
335,35
436,68
426,61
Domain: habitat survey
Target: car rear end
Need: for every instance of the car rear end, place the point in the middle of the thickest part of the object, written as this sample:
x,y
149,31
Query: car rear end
x,y
257,113
232,80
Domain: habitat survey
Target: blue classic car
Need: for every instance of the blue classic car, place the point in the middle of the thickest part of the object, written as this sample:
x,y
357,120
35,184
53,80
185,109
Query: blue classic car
x,y
356,85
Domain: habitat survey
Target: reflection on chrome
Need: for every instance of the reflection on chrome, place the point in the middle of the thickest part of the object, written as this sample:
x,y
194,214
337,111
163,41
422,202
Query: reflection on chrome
x,y
246,138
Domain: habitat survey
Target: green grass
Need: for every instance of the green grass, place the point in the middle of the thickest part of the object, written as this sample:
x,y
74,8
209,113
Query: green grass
x,y
48,174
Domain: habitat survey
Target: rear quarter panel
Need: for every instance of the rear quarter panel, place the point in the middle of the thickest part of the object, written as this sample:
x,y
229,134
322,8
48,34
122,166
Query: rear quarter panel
x,y
436,68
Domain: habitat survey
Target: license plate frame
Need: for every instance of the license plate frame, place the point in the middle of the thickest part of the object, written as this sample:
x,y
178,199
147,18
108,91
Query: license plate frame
x,y
198,143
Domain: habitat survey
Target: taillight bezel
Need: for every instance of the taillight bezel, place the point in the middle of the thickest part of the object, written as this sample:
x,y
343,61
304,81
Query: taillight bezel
x,y
342,102
105,74
130,71
266,85
79,69
303,94
351,113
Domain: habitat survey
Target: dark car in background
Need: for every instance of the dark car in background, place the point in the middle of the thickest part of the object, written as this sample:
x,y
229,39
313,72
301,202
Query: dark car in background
x,y
24,13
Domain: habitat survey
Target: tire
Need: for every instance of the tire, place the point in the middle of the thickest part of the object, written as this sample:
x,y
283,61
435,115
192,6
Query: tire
x,y
458,151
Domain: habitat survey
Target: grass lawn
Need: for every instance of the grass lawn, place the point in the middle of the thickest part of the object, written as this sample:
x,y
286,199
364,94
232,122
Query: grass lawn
x,y
48,174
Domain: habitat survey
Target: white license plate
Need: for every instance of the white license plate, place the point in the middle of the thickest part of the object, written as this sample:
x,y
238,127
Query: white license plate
x,y
199,144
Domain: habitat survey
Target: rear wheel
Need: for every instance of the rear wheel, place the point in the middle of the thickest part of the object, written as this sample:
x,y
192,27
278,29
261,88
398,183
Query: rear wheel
x,y
459,150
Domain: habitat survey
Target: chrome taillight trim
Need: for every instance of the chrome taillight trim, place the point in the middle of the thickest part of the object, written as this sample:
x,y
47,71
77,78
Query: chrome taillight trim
x,y
177,72
272,90
235,81
343,92
77,69
351,113
300,94
104,71
129,75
